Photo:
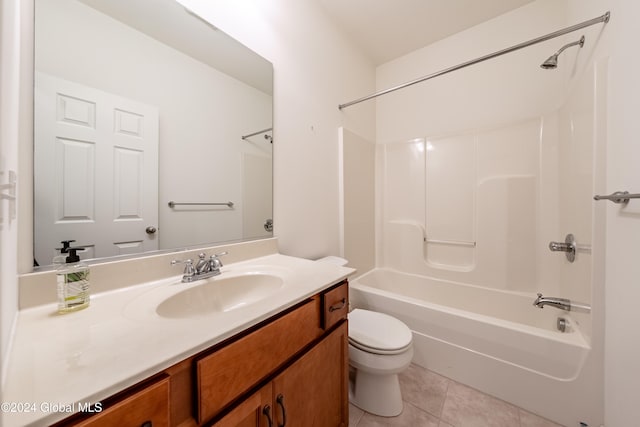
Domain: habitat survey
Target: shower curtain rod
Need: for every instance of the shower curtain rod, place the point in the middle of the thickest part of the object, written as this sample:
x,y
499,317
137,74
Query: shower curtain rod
x,y
603,18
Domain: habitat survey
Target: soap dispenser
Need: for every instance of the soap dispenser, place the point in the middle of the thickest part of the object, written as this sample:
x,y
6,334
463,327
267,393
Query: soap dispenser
x,y
73,283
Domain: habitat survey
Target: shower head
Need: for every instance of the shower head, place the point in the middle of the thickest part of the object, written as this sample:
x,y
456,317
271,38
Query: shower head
x,y
552,62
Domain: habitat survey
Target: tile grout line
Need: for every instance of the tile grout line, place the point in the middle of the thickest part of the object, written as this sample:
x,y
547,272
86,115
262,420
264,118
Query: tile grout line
x,y
444,401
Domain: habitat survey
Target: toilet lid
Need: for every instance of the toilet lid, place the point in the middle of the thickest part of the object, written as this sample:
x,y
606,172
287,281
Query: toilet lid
x,y
377,331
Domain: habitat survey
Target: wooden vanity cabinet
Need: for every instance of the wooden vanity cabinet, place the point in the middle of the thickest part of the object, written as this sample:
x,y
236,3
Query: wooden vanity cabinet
x,y
291,370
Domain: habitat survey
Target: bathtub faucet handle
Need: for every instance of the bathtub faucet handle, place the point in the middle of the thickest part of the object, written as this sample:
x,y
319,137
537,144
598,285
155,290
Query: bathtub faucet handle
x,y
568,247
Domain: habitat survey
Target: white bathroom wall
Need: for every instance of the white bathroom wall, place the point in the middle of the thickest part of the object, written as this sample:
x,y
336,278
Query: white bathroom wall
x,y
210,148
357,178
316,68
9,134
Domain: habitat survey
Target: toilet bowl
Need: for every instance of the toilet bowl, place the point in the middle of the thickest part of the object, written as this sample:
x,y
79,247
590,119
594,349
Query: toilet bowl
x,y
380,347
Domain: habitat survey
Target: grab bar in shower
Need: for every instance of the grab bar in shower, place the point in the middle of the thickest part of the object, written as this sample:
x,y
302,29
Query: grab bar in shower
x,y
450,242
618,197
173,204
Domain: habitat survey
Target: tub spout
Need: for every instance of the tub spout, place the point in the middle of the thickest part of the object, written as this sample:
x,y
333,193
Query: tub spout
x,y
561,303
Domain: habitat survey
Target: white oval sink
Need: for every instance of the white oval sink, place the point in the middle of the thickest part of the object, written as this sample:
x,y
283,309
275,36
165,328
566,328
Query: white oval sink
x,y
220,294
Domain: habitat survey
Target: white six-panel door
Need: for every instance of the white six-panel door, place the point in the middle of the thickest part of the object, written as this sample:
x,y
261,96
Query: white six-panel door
x,y
96,170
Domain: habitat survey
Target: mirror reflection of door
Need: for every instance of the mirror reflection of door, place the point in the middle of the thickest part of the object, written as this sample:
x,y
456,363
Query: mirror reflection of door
x,y
96,163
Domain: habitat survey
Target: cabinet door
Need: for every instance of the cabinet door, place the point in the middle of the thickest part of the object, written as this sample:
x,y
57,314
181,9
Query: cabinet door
x,y
255,411
313,390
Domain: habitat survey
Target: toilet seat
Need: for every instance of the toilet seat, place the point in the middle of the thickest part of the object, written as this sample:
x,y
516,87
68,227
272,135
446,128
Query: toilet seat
x,y
378,333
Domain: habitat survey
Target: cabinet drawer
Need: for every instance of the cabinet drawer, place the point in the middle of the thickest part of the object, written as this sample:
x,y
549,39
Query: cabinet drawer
x,y
235,368
148,407
335,305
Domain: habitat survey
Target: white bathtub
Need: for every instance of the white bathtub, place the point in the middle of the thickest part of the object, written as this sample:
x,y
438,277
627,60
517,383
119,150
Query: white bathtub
x,y
492,340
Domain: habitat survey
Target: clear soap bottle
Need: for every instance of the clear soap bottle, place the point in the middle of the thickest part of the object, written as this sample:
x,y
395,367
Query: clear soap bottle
x,y
73,283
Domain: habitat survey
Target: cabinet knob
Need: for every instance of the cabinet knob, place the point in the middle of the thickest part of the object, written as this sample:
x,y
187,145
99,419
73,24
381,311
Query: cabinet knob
x,y
146,424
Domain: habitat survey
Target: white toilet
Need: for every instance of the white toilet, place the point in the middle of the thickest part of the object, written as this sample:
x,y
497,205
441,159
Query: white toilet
x,y
380,347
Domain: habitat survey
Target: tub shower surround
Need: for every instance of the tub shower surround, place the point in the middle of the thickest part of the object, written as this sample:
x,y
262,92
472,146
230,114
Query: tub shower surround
x,y
466,219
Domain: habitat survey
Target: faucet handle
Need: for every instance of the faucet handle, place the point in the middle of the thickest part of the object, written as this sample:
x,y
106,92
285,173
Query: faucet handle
x,y
215,262
189,269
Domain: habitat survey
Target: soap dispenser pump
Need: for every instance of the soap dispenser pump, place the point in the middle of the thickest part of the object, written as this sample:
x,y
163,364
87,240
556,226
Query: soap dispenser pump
x,y
61,258
73,283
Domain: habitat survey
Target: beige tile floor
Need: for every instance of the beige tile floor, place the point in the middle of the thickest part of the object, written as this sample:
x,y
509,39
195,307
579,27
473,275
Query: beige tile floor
x,y
431,400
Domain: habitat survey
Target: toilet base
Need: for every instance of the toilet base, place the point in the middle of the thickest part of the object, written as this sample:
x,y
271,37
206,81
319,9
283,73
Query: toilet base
x,y
376,394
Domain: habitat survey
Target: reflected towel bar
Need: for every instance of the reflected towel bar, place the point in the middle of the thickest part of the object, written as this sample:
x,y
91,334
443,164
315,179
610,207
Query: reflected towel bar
x,y
174,204
257,133
618,197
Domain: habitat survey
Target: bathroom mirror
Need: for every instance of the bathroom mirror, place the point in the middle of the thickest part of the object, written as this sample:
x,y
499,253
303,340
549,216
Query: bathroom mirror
x,y
152,130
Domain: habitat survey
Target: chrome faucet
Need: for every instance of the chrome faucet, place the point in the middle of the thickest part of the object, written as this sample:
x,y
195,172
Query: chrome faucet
x,y
561,303
203,269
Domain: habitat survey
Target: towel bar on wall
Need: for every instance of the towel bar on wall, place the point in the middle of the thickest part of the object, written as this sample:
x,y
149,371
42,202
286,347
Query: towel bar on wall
x,y
174,204
618,197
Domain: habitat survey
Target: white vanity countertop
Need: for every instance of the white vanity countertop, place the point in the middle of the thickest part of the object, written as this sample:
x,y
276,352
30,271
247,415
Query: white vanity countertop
x,y
58,361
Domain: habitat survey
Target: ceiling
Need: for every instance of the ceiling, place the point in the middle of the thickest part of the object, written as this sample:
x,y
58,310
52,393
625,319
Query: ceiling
x,y
388,29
